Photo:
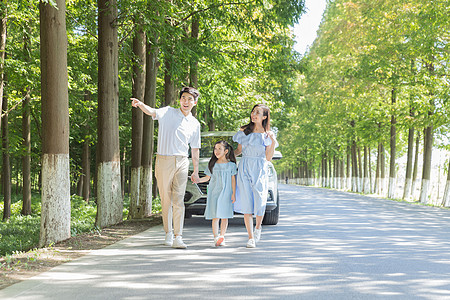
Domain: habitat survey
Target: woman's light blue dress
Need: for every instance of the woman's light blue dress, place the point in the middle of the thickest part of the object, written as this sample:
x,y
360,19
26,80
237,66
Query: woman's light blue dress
x,y
253,173
218,203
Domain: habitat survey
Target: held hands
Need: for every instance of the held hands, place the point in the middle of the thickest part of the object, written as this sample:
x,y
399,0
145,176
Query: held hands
x,y
195,178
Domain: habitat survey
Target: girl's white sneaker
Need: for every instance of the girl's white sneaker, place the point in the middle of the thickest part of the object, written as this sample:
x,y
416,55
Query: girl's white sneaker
x,y
218,241
251,243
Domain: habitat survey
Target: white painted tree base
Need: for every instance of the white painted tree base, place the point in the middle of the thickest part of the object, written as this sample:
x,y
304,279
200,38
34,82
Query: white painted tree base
x,y
391,188
446,199
407,191
145,194
366,184
109,194
424,191
55,210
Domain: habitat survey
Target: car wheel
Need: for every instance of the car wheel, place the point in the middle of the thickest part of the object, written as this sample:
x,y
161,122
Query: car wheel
x,y
271,217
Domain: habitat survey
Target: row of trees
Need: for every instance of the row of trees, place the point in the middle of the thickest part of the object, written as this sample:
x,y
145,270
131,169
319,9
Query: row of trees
x,y
66,81
376,81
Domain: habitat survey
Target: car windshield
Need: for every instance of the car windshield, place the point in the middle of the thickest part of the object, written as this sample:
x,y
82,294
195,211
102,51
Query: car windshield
x,y
209,141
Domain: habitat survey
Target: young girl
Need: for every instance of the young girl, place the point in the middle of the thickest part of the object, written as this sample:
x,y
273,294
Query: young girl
x,y
221,190
257,145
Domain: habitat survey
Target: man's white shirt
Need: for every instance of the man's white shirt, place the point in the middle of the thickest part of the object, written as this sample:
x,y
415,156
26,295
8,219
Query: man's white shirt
x,y
176,131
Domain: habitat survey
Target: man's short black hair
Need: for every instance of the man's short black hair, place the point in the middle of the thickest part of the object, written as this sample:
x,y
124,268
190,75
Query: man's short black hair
x,y
191,91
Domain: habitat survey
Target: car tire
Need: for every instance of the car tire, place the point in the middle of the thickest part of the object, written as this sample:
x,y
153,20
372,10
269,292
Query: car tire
x,y
187,215
271,217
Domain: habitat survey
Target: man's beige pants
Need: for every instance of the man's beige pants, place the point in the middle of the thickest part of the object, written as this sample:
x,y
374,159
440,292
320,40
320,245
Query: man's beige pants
x,y
171,173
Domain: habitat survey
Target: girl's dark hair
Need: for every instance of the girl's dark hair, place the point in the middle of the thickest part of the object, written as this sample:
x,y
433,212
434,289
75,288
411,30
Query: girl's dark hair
x,y
265,123
230,155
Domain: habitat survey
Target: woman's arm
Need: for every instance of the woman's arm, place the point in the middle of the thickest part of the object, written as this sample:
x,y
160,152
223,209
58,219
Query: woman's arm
x,y
145,108
271,148
238,150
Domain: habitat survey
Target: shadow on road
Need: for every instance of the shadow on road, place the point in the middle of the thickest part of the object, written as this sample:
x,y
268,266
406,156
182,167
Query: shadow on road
x,y
327,245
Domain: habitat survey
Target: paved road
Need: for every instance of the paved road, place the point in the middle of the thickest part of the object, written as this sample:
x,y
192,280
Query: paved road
x,y
327,245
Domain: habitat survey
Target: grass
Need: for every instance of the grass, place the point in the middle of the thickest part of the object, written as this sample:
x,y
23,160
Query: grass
x,y
21,233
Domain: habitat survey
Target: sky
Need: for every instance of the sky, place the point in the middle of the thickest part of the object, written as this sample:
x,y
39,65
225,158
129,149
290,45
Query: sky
x,y
305,30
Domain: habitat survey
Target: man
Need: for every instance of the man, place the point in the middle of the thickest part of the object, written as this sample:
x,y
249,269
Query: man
x,y
177,130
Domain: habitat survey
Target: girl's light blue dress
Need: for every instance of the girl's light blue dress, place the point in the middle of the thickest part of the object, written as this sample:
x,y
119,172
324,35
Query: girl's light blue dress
x,y
253,174
218,203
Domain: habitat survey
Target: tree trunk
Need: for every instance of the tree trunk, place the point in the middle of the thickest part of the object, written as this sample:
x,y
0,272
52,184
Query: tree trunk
x,y
330,173
366,182
193,70
79,187
377,171
169,84
391,188
426,171
354,168
348,184
382,170
360,171
370,173
307,178
55,210
446,198
409,164
6,168
26,159
209,118
123,171
109,195
26,137
86,168
3,20
86,156
26,133
416,163
146,191
139,69
322,172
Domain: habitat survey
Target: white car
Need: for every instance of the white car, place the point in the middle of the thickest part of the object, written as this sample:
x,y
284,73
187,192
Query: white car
x,y
195,196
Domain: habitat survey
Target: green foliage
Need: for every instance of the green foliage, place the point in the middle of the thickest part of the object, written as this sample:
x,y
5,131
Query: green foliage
x,y
364,51
21,233
82,216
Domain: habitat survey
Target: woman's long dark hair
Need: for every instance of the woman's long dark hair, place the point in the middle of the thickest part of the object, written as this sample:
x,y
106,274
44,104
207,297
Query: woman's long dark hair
x,y
265,123
230,155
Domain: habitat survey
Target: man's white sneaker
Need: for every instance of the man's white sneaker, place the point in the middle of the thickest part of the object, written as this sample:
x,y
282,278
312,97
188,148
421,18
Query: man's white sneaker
x,y
178,243
251,243
169,239
257,234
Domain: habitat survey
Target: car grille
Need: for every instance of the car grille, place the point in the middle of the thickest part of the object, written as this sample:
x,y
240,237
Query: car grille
x,y
203,187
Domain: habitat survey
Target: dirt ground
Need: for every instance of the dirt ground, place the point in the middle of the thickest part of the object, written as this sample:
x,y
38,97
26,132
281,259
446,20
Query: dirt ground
x,y
21,266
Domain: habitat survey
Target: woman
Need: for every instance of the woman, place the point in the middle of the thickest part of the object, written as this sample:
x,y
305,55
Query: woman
x,y
257,145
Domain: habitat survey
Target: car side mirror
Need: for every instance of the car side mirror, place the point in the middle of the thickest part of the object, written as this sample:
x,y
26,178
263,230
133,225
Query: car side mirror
x,y
277,155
